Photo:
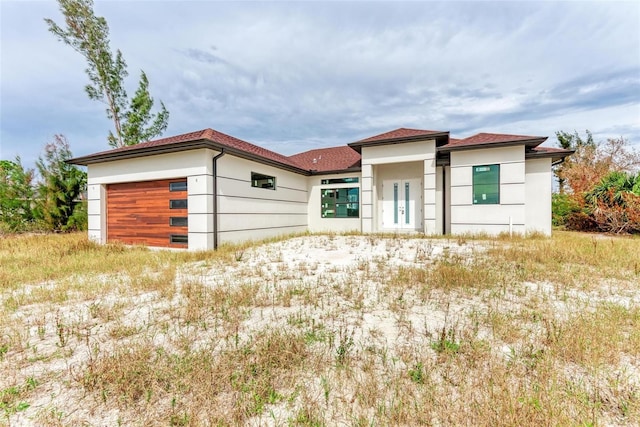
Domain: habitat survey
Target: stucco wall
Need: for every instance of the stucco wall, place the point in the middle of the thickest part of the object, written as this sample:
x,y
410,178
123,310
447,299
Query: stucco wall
x,y
439,212
319,224
194,164
248,213
538,196
396,171
491,219
375,159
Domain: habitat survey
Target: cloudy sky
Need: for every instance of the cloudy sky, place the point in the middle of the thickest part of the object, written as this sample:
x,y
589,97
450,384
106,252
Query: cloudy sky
x,y
292,76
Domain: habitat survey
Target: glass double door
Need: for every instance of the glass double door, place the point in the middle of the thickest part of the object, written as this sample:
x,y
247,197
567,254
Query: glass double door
x,y
401,204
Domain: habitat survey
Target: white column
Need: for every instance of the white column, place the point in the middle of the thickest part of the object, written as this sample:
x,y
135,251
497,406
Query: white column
x,y
200,200
429,196
366,188
97,212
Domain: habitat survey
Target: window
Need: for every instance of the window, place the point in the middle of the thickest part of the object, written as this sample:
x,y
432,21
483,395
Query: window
x,y
259,180
178,186
340,180
340,202
178,221
182,239
178,204
486,185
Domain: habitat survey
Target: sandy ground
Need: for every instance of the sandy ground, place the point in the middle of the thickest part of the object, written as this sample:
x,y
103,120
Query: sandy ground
x,y
331,280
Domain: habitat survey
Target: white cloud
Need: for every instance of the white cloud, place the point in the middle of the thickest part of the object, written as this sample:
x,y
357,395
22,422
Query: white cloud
x,y
300,75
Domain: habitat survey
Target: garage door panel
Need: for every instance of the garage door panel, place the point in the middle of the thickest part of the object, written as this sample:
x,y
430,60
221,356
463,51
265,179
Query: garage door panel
x,y
139,213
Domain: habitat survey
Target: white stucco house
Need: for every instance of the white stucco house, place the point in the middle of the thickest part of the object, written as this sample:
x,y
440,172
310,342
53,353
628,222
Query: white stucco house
x,y
204,188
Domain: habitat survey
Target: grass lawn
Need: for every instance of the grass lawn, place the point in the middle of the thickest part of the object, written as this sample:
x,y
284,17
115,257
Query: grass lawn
x,y
316,330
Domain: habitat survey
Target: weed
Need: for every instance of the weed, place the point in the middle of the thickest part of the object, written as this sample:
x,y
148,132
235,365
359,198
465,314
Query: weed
x,y
239,254
417,373
62,330
344,347
446,342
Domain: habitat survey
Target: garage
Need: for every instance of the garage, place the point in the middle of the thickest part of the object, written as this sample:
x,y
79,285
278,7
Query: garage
x,y
151,213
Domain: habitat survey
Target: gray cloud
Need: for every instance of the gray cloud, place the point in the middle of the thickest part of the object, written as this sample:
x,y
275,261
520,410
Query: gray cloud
x,y
294,76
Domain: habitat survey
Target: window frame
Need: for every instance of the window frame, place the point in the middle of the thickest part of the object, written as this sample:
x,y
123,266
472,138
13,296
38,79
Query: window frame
x,y
488,197
330,210
345,180
180,218
186,203
176,183
257,176
180,237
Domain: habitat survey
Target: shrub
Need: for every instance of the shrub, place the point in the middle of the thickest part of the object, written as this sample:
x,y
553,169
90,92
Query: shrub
x,y
562,207
580,221
614,205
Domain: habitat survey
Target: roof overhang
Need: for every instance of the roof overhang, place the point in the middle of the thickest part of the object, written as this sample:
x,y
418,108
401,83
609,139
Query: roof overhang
x,y
338,171
110,156
556,156
531,143
440,137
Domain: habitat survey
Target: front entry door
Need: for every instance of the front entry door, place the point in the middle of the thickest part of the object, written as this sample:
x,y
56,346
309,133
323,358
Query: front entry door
x,y
401,204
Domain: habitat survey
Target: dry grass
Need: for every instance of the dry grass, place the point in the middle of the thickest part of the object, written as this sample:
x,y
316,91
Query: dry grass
x,y
322,330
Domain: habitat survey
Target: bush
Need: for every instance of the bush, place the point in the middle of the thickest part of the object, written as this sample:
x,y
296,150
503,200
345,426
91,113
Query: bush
x,y
562,207
79,218
614,205
581,221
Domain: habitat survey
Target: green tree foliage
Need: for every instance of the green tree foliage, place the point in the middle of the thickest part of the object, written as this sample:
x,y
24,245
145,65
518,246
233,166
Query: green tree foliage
x,y
88,34
61,186
562,207
139,114
16,196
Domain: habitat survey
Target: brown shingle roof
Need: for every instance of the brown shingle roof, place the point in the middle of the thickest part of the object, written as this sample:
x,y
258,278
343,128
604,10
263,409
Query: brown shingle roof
x,y
328,159
493,138
318,160
400,133
218,138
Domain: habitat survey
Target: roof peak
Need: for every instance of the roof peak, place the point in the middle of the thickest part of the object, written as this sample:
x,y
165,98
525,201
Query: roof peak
x,y
400,133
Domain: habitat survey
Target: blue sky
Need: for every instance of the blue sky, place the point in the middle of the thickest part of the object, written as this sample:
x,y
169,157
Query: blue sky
x,y
292,76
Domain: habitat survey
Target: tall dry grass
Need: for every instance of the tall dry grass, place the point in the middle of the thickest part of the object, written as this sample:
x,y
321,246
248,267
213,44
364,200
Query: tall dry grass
x,y
517,331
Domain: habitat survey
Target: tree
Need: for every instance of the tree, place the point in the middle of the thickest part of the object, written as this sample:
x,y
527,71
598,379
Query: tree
x,y
88,34
601,183
16,195
61,185
570,141
593,161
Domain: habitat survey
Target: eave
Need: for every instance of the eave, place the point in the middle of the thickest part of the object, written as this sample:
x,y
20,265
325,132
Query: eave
x,y
439,137
183,146
531,143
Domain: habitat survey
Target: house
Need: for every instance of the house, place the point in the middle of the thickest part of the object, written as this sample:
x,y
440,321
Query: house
x,y
204,188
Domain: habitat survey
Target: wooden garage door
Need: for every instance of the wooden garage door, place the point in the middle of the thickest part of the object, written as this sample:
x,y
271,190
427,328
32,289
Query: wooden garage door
x,y
152,213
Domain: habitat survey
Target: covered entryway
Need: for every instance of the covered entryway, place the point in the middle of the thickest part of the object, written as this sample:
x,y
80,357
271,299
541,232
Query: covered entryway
x,y
401,204
151,213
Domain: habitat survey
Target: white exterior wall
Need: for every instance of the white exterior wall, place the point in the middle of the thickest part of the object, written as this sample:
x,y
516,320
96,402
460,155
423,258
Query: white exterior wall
x,y
196,165
491,219
423,152
429,196
319,224
446,188
368,196
248,213
439,202
395,171
538,196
